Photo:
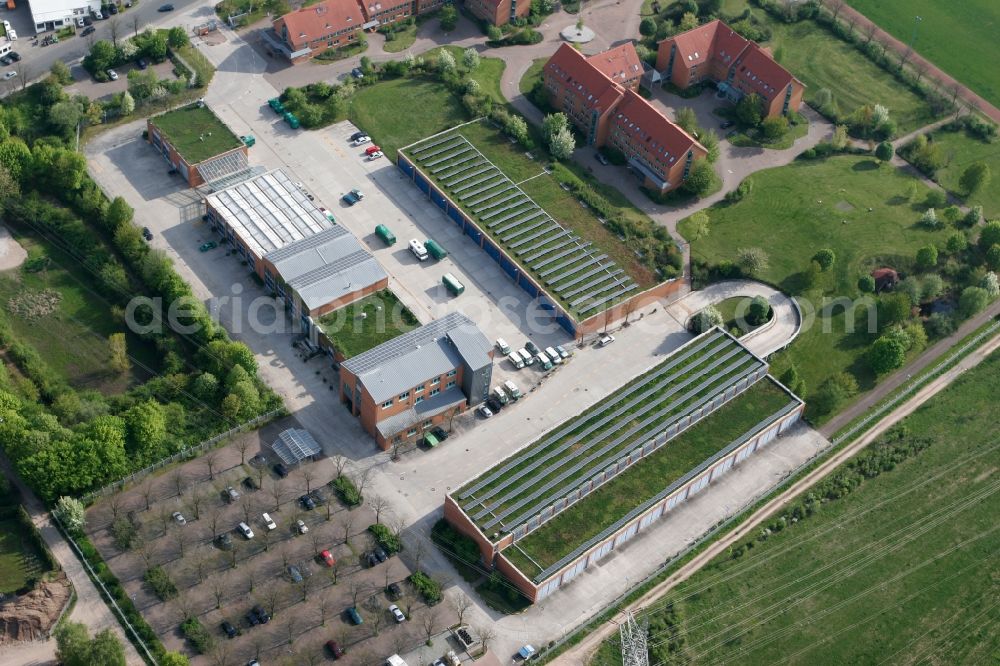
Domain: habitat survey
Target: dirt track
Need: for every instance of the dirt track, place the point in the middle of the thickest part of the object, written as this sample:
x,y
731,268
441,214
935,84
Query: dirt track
x,y
580,653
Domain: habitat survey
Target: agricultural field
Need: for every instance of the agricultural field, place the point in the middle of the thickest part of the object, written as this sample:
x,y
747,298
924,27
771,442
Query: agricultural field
x,y
849,204
959,150
891,559
941,32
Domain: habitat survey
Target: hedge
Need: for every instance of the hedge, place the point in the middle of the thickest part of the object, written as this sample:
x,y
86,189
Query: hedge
x,y
428,588
385,538
197,635
159,580
347,491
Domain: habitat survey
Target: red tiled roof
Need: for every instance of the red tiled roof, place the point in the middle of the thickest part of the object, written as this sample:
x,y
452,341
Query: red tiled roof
x,y
645,123
620,64
760,72
695,45
586,81
325,18
371,8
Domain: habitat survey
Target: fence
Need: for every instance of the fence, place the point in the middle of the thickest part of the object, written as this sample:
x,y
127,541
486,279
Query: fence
x,y
67,607
186,453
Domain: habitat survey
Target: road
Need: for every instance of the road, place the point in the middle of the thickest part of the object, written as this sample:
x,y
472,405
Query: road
x,y
580,653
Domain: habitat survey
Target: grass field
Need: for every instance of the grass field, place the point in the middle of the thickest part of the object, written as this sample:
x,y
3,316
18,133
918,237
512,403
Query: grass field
x,y
196,133
796,210
375,109
19,560
384,318
960,150
402,38
532,76
729,309
585,519
72,337
900,570
487,75
943,32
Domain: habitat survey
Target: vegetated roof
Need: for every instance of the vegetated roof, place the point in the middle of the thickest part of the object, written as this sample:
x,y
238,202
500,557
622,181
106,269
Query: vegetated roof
x,y
655,406
326,266
268,212
196,133
620,63
295,445
367,323
325,18
592,86
426,352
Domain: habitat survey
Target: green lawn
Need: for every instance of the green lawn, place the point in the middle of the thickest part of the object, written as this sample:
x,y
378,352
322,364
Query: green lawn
x,y
19,560
532,76
960,150
402,38
375,109
487,75
903,569
384,318
796,210
196,133
821,60
729,309
946,35
71,336
585,519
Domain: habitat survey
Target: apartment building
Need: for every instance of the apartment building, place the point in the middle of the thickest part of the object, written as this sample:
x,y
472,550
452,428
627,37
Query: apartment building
x,y
305,33
499,12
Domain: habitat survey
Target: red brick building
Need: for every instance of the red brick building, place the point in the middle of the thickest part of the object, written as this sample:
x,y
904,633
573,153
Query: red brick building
x,y
416,381
715,52
609,113
499,12
383,12
620,64
307,32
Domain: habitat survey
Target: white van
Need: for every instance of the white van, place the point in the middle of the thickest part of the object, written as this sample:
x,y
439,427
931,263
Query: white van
x,y
418,250
499,394
525,356
245,530
12,35
503,346
554,355
512,389
271,525
544,360
515,360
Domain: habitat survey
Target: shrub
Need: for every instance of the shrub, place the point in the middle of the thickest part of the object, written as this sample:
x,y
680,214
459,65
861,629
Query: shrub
x,y
347,491
759,311
930,220
752,260
833,392
825,258
428,588
390,542
454,543
161,583
866,284
196,634
706,319
972,301
927,257
884,151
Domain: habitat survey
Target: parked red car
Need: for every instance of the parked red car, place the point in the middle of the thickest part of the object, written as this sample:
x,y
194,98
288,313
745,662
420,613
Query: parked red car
x,y
372,149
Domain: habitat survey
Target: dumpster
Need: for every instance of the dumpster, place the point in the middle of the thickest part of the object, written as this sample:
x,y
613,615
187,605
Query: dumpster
x,y
248,140
292,121
387,236
435,250
276,105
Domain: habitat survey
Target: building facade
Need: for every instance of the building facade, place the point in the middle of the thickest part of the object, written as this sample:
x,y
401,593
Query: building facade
x,y
499,12
611,114
55,14
305,33
190,171
715,52
404,387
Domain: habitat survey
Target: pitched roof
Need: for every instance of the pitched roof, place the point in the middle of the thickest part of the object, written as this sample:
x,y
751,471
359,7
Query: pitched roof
x,y
587,81
646,124
695,45
319,20
429,351
756,68
619,64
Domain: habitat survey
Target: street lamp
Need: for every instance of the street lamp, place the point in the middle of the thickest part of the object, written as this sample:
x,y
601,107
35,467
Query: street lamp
x,y
916,22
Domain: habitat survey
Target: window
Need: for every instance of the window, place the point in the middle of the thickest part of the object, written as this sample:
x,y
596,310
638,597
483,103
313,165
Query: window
x,y
387,404
434,392
435,381
404,395
419,399
451,384
419,389
411,432
452,373
427,423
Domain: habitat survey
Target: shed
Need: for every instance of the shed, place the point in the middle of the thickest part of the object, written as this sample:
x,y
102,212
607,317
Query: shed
x,y
295,445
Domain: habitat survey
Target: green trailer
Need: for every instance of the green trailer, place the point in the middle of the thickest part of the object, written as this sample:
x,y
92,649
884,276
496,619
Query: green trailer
x,y
292,121
387,236
452,284
276,106
435,250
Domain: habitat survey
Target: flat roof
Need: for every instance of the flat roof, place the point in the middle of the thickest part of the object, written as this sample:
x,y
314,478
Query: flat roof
x,y
431,350
196,133
558,463
268,212
367,323
295,445
326,266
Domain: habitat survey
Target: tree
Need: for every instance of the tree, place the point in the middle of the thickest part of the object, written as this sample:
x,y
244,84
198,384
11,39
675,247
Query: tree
x,y
686,118
562,145
930,219
825,258
375,613
759,311
975,178
60,71
75,648
101,57
277,491
64,116
973,300
127,104
748,110
461,603
752,260
706,319
927,257
429,621
177,37
174,659
990,235
517,128
701,178
71,513
834,392
698,225
552,123
893,309
774,127
449,18
647,27
991,284
211,461
886,354
973,217
689,21
470,58
378,504
884,151
993,258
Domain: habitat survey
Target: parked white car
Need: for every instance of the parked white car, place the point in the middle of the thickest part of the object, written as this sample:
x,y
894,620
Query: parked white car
x,y
270,524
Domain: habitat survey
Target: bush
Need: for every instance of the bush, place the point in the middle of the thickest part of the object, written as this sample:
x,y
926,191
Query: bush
x,y
428,588
161,583
759,311
384,537
927,257
866,284
705,319
454,543
886,354
196,634
825,259
347,491
972,301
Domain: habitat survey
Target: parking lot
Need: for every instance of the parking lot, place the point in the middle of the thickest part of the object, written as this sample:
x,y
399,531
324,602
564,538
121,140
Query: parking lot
x,y
219,582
